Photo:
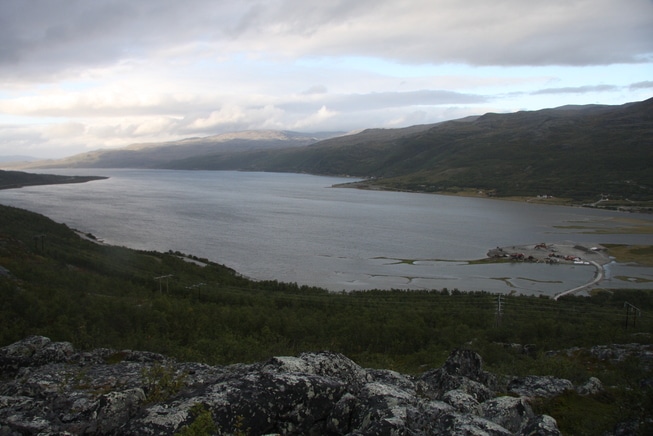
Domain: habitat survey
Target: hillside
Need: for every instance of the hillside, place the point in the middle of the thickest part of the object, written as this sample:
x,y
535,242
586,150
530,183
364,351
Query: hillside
x,y
57,284
153,155
577,152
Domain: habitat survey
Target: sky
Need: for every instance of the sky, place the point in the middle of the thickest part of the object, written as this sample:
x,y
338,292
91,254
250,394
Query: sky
x,y
82,75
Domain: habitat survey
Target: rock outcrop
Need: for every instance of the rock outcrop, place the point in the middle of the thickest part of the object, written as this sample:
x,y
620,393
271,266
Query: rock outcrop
x,y
50,388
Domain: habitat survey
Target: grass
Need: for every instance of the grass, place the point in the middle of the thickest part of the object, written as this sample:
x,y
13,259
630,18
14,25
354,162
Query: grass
x,y
639,254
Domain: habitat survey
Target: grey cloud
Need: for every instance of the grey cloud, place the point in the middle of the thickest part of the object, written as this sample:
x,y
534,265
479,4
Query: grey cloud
x,y
577,89
641,85
44,38
316,89
380,100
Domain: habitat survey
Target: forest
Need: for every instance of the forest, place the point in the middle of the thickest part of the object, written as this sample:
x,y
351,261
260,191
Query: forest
x,y
68,286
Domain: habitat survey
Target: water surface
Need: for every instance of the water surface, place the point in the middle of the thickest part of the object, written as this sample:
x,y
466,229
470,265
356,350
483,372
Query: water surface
x,y
297,228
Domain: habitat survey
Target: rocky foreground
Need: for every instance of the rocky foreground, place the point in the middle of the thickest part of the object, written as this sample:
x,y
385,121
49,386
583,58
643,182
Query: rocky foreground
x,y
50,388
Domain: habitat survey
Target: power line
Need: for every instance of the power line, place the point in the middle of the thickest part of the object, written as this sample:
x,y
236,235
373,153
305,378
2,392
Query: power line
x,y
636,313
160,278
499,312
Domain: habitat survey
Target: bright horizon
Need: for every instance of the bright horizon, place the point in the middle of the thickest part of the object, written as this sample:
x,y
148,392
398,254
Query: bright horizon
x,y
80,76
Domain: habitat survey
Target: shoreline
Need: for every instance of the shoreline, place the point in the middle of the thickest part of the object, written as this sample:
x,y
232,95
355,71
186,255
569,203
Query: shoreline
x,y
567,252
623,206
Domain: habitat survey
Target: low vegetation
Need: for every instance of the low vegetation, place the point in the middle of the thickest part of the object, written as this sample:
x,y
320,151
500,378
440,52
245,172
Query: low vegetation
x,y
57,284
594,155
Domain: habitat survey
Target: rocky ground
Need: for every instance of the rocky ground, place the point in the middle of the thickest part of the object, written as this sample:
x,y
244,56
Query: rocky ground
x,y
50,388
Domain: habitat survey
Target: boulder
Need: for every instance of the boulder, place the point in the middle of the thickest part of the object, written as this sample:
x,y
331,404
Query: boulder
x,y
539,386
461,371
592,387
33,351
461,401
50,388
542,425
510,412
469,425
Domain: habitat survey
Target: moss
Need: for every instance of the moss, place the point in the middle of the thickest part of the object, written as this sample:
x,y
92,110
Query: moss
x,y
581,415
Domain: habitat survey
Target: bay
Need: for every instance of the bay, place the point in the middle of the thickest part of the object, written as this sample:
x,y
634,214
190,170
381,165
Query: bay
x,y
297,228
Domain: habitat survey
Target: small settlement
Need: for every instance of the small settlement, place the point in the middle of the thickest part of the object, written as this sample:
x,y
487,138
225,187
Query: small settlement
x,y
563,252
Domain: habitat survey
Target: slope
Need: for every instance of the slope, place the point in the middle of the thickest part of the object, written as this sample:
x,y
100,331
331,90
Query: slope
x,y
579,152
153,155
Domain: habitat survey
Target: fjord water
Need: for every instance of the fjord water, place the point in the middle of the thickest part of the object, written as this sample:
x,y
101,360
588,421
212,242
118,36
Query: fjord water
x,y
297,228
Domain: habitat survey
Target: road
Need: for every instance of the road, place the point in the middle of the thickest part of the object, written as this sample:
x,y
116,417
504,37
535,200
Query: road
x,y
600,273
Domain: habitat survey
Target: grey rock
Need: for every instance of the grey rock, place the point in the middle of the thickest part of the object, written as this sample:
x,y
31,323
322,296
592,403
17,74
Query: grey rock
x,y
542,425
461,371
33,351
49,388
325,363
435,384
615,353
539,386
592,387
462,401
456,424
510,412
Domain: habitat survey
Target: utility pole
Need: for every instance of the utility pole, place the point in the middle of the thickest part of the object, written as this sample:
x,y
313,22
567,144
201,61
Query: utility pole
x,y
160,278
198,286
40,238
636,313
499,312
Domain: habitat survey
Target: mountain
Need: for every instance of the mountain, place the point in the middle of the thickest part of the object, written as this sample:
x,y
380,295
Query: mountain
x,y
576,152
154,155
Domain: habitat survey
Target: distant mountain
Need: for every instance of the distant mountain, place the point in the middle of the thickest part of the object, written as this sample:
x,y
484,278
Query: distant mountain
x,y
155,155
344,154
583,153
577,152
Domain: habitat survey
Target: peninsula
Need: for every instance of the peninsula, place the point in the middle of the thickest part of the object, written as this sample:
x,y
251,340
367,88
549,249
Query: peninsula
x,y
19,179
564,252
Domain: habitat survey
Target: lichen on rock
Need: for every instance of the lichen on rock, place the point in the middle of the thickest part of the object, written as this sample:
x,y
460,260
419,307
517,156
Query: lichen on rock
x,y
49,388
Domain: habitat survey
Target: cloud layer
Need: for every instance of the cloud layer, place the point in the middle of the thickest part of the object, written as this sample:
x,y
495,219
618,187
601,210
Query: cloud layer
x,y
79,74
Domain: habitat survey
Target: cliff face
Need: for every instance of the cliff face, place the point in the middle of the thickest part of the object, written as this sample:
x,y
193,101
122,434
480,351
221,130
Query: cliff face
x,y
50,388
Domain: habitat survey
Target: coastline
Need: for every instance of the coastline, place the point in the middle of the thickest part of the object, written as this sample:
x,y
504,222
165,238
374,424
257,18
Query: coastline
x,y
620,206
19,179
559,253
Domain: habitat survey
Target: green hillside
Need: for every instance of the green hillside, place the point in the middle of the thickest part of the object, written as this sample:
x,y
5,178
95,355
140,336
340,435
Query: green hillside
x,y
57,284
577,153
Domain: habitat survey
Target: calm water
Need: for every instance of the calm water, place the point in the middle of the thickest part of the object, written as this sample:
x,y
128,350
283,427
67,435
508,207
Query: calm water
x,y
294,227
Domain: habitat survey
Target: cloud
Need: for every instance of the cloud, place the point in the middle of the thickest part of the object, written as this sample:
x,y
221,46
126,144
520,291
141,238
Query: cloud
x,y
66,36
233,118
577,89
315,120
107,73
382,100
65,130
315,89
642,85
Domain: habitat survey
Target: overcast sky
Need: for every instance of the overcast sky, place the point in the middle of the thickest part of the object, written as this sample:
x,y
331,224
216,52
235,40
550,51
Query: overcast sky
x,y
78,75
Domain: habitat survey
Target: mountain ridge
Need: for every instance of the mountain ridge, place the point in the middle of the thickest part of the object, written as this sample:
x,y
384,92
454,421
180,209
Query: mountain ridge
x,y
153,155
579,153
